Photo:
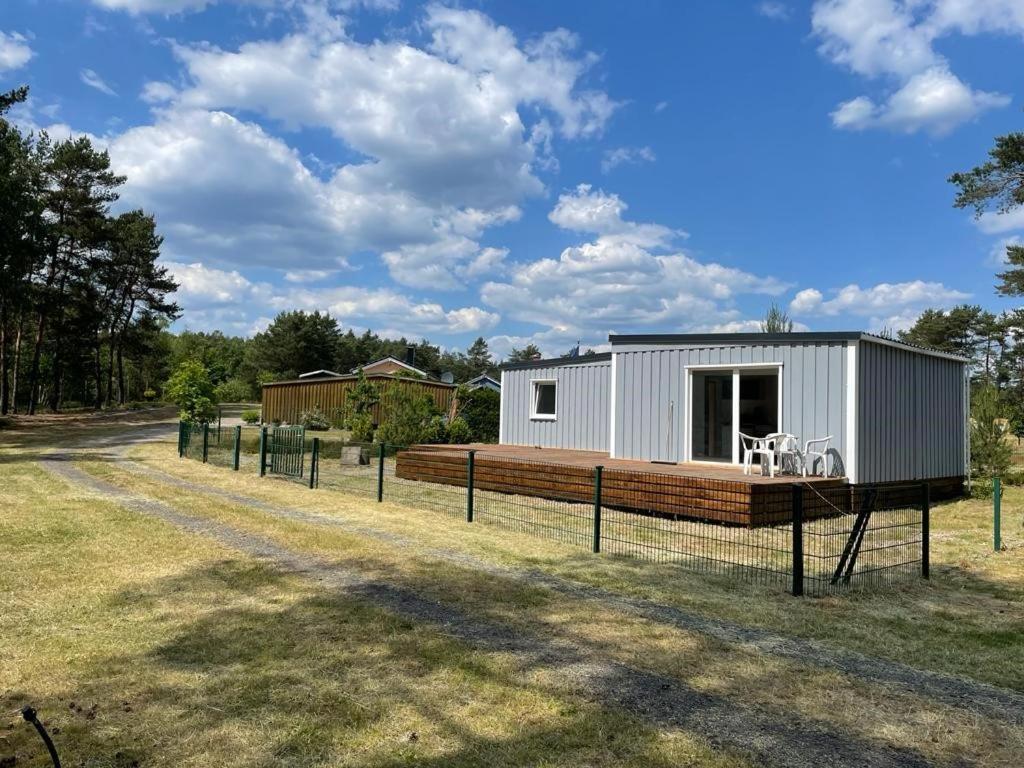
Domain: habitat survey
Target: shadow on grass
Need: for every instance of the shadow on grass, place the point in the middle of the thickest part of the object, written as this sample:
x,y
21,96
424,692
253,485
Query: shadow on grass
x,y
251,667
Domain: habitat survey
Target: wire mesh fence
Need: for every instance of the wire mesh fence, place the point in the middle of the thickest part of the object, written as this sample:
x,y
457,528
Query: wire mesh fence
x,y
802,537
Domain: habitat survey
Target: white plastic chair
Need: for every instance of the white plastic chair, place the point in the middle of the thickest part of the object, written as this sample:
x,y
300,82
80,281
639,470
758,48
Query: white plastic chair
x,y
758,446
816,448
788,447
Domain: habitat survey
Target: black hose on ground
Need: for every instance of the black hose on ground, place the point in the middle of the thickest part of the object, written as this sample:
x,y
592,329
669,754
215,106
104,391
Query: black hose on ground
x,y
30,716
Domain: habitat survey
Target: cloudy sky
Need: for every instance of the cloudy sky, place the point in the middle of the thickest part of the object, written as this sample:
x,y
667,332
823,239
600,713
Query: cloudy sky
x,y
546,172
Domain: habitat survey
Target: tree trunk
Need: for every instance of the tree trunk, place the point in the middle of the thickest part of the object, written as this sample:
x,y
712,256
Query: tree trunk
x,y
110,365
17,362
5,392
33,372
120,376
97,358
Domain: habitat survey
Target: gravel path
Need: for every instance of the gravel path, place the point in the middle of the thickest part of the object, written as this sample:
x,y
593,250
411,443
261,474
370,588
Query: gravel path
x,y
575,669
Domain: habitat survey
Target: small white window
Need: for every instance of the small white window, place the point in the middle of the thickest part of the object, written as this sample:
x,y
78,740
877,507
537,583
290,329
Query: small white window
x,y
542,404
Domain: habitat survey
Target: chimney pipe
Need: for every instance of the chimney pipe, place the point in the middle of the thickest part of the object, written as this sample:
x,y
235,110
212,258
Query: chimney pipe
x,y
410,355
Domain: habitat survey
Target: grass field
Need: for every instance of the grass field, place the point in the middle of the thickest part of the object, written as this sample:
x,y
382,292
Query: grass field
x,y
144,644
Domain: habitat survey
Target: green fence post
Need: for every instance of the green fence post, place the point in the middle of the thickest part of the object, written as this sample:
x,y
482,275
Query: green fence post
x,y
314,465
263,451
798,540
598,472
181,439
926,527
238,448
206,440
997,503
380,473
470,462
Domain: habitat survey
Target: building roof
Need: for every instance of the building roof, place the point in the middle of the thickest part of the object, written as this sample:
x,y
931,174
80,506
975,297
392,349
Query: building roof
x,y
805,337
482,378
353,377
396,361
321,372
552,361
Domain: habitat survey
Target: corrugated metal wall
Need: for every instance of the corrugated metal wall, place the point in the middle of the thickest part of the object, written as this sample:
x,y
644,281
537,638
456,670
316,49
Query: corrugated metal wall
x,y
582,404
284,401
650,380
910,411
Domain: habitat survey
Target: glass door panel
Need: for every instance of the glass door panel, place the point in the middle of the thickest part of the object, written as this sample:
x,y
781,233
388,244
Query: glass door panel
x,y
712,428
759,403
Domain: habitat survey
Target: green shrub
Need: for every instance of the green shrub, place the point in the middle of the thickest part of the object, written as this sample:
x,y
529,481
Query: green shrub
x,y
149,394
361,427
436,431
408,417
990,453
251,416
191,390
459,431
234,391
314,419
481,409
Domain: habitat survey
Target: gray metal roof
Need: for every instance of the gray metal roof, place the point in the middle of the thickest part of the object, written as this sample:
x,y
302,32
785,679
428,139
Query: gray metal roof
x,y
551,361
804,337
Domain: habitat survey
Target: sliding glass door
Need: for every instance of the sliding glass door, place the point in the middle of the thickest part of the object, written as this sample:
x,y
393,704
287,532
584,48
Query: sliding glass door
x,y
712,415
727,401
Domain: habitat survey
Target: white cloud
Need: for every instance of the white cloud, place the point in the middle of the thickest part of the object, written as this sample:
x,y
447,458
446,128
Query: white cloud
x,y
93,80
772,9
630,277
997,223
626,155
661,106
934,100
15,51
450,139
875,300
894,39
172,7
997,255
225,299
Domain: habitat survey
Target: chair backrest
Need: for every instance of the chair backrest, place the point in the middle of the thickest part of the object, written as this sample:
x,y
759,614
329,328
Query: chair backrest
x,y
822,441
787,443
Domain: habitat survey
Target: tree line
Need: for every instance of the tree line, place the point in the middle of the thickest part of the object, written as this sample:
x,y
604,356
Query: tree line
x,y
298,341
83,302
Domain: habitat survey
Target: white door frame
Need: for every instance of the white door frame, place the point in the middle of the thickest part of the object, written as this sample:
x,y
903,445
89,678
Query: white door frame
x,y
735,369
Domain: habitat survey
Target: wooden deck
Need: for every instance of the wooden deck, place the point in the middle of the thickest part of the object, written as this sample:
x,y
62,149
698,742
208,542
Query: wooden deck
x,y
700,491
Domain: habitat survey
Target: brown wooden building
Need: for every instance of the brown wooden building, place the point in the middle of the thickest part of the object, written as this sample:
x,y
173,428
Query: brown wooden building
x,y
283,401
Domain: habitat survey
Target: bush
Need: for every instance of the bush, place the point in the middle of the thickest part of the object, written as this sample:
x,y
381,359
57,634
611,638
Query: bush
x,y
251,416
191,390
314,419
436,431
361,427
149,394
459,431
990,453
481,410
408,417
233,391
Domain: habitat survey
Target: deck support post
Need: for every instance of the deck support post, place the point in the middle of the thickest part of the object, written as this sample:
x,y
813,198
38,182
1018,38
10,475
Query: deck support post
x,y
237,453
470,464
263,451
206,440
314,463
798,540
598,472
926,507
380,473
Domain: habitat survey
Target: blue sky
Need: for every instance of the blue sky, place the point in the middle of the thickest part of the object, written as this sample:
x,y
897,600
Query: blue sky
x,y
541,172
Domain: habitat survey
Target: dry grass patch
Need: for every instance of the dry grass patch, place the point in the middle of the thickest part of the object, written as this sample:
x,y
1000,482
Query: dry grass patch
x,y
141,645
746,677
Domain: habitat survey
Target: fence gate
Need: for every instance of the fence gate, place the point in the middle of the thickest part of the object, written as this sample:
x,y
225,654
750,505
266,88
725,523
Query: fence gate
x,y
287,450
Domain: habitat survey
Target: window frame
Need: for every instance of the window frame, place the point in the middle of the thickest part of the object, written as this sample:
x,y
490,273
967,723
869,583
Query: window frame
x,y
534,384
